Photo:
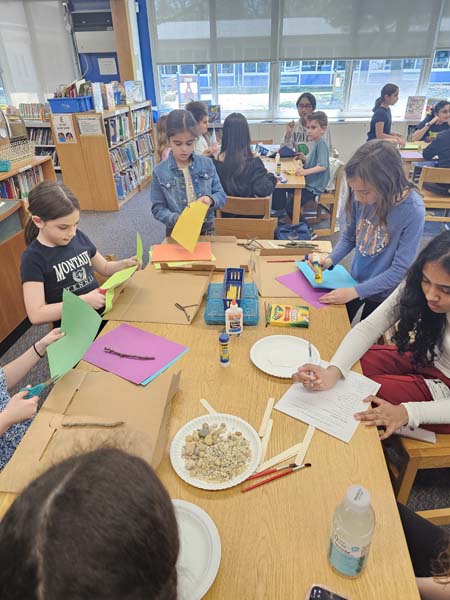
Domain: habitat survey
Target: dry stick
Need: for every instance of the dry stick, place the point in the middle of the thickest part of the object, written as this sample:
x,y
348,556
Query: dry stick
x,y
266,438
207,406
289,453
266,417
305,445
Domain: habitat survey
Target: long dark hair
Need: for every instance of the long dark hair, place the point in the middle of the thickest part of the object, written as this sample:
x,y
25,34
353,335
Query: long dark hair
x,y
377,162
48,200
179,121
437,107
235,150
310,97
386,90
420,330
100,525
197,109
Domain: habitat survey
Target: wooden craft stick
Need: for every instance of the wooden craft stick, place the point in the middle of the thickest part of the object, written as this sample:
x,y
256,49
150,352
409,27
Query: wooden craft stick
x,y
305,445
266,438
289,453
266,417
207,406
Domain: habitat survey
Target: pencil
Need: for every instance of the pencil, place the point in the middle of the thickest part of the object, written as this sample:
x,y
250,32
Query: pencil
x,y
288,260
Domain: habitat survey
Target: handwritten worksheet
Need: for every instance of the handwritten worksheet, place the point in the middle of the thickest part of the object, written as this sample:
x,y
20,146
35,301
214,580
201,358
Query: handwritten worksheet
x,y
331,411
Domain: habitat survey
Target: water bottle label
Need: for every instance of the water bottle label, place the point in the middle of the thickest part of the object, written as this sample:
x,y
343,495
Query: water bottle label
x,y
348,560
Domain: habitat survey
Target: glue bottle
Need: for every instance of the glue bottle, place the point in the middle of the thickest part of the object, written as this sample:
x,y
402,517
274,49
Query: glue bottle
x,y
224,351
277,164
234,319
351,532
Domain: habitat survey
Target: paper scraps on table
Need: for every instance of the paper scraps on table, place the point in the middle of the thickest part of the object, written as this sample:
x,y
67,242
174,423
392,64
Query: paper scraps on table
x,y
80,324
189,225
176,253
127,339
298,284
330,411
333,279
178,263
120,277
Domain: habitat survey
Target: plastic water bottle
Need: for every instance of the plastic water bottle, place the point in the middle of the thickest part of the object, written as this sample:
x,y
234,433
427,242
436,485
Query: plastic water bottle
x,y
214,145
351,532
277,164
234,319
224,351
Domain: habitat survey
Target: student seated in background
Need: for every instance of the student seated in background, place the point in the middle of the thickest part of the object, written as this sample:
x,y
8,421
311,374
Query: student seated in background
x,y
297,132
434,123
59,256
385,219
381,122
18,411
415,373
439,149
100,525
241,173
162,143
200,114
185,176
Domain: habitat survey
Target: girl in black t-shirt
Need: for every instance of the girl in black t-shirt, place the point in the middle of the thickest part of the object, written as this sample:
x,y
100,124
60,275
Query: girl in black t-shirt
x,y
380,125
59,256
434,123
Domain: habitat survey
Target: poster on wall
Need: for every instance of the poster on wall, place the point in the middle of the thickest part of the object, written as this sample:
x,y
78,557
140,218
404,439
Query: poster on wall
x,y
414,108
64,129
187,89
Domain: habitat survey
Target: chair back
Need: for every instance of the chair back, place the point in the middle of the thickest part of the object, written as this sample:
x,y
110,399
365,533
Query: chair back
x,y
246,227
434,175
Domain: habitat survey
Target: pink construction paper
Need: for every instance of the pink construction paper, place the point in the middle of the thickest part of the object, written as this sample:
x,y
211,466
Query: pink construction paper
x,y
298,283
411,154
131,340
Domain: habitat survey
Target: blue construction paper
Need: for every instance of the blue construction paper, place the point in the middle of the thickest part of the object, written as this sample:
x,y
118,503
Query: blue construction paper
x,y
152,377
333,279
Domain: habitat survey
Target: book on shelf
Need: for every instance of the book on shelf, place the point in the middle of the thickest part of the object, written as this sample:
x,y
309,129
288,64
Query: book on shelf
x,y
41,136
144,144
213,113
414,108
134,91
126,182
34,110
19,186
141,120
117,129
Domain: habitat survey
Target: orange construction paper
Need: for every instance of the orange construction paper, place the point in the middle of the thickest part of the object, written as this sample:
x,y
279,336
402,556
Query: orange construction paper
x,y
174,252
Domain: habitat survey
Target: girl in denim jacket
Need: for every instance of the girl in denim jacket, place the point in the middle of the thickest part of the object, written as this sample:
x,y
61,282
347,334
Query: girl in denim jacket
x,y
184,176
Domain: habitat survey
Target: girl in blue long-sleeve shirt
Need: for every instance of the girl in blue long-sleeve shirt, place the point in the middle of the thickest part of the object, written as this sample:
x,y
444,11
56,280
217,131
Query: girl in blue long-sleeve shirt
x,y
385,215
184,177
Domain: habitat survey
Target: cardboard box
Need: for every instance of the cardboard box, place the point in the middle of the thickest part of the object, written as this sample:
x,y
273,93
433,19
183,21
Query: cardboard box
x,y
150,297
89,409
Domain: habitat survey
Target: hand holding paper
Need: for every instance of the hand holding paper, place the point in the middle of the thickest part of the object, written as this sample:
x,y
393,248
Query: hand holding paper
x,y
384,414
187,229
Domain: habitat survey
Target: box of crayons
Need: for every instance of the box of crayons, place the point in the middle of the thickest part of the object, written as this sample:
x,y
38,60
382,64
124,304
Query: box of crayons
x,y
233,280
286,315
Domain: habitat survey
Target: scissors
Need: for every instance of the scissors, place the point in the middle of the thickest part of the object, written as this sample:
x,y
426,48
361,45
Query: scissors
x,y
37,390
251,244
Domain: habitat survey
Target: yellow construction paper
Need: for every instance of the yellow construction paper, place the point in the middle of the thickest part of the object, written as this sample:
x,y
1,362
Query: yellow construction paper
x,y
187,229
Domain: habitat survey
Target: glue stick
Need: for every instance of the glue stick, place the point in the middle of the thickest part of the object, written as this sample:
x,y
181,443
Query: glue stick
x,y
224,351
318,275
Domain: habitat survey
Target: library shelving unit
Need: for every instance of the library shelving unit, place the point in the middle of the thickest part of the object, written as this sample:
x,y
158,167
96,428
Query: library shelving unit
x,y
14,186
41,134
109,157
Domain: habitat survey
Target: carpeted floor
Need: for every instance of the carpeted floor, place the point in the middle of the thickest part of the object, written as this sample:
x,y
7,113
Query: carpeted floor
x,y
114,233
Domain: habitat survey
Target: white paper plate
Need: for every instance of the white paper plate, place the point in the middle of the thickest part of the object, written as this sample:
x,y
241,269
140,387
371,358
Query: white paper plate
x,y
233,424
200,550
281,355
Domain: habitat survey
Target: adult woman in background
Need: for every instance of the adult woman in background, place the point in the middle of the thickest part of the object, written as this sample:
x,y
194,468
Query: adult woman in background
x,y
240,173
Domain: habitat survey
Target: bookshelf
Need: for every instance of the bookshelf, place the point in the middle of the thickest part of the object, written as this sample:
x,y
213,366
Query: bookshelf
x,y
41,134
24,175
111,157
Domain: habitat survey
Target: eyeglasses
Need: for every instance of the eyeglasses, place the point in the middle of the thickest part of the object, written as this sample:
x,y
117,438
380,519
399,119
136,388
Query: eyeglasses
x,y
304,105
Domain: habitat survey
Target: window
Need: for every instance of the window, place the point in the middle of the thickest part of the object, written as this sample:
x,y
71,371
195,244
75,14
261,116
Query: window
x,y
245,89
178,84
439,81
324,79
3,98
369,76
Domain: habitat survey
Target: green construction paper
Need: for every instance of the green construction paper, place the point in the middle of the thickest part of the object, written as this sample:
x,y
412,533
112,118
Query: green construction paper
x,y
80,324
139,247
109,297
121,276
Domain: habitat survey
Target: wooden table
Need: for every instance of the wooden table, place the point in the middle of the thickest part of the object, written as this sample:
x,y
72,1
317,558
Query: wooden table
x,y
275,538
294,182
411,156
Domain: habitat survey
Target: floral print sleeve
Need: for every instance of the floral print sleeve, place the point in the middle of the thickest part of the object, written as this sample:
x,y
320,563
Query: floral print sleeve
x,y
12,437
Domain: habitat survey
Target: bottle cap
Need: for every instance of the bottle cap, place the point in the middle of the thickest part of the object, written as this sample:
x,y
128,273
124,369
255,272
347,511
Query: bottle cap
x,y
233,302
357,498
224,337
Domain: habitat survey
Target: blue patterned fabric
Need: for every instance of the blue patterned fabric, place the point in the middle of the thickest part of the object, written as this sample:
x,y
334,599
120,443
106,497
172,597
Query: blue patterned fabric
x,y
12,437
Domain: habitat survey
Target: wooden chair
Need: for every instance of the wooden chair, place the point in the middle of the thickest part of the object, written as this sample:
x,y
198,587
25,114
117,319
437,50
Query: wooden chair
x,y
270,142
431,199
244,228
416,455
327,207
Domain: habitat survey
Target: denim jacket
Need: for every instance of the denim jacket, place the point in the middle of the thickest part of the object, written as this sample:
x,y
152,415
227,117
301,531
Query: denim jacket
x,y
168,190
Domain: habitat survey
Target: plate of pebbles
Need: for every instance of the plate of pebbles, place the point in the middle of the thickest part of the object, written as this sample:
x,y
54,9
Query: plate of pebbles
x,y
215,452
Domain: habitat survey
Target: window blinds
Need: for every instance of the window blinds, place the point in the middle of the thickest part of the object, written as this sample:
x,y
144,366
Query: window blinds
x,y
205,31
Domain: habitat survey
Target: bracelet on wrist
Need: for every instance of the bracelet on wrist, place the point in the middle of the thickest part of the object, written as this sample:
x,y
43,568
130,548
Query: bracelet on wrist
x,y
37,352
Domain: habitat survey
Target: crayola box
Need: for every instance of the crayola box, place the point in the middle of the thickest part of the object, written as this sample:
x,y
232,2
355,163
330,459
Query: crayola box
x,y
287,315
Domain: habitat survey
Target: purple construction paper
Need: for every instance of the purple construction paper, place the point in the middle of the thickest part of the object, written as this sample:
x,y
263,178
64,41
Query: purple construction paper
x,y
131,340
298,283
411,154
